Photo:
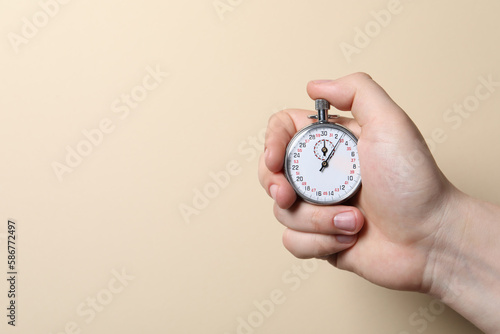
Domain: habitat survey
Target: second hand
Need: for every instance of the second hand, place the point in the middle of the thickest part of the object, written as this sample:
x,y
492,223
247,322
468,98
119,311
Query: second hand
x,y
324,164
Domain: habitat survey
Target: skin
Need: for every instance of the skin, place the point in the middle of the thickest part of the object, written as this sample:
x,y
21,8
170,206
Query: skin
x,y
408,228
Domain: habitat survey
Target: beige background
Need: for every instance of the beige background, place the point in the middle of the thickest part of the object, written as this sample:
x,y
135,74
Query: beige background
x,y
118,211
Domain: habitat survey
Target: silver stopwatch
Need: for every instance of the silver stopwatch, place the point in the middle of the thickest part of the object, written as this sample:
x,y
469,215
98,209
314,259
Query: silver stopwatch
x,y
321,160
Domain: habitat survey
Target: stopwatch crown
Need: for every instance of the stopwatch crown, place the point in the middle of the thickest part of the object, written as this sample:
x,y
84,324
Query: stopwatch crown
x,y
322,104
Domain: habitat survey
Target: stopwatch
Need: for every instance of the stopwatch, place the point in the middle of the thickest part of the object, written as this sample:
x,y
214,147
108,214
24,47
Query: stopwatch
x,y
321,160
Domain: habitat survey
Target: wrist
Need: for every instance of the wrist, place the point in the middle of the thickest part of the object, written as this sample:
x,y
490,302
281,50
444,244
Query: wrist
x,y
446,255
463,265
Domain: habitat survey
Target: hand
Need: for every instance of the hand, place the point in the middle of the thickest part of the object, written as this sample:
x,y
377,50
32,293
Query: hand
x,y
418,232
325,163
404,196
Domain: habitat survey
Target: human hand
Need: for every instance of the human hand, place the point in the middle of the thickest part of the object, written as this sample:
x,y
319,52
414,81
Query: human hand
x,y
404,197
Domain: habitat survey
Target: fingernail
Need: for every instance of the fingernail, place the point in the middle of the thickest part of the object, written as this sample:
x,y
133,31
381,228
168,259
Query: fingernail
x,y
321,81
345,239
345,221
273,190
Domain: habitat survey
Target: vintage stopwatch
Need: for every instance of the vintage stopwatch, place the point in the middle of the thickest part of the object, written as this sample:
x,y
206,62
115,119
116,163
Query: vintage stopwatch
x,y
321,160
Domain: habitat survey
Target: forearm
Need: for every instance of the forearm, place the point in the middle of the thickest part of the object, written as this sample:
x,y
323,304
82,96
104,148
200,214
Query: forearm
x,y
466,268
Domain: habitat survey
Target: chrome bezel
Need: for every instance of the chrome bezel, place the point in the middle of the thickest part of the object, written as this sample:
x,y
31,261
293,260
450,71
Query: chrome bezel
x,y
293,142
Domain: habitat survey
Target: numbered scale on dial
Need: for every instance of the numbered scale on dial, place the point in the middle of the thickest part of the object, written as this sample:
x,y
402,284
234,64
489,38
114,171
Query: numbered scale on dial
x,y
321,161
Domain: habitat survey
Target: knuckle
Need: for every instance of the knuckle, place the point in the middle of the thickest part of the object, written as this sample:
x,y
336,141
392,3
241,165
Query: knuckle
x,y
325,245
262,171
317,219
287,240
321,246
362,75
278,213
295,246
279,120
273,120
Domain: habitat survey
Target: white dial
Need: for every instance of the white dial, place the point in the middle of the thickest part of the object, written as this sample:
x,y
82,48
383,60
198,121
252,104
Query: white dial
x,y
322,163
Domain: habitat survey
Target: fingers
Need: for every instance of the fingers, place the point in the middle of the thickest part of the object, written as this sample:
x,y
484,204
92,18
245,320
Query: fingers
x,y
305,217
276,185
280,130
319,231
308,245
358,93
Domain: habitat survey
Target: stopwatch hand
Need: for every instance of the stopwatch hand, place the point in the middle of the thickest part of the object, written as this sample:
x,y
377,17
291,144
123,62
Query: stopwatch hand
x,y
324,164
337,145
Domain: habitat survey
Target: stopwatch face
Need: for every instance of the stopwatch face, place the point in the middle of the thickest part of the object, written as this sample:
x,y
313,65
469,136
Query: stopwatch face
x,y
322,164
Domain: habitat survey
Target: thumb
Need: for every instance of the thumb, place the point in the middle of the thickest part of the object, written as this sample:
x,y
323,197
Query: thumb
x,y
360,94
